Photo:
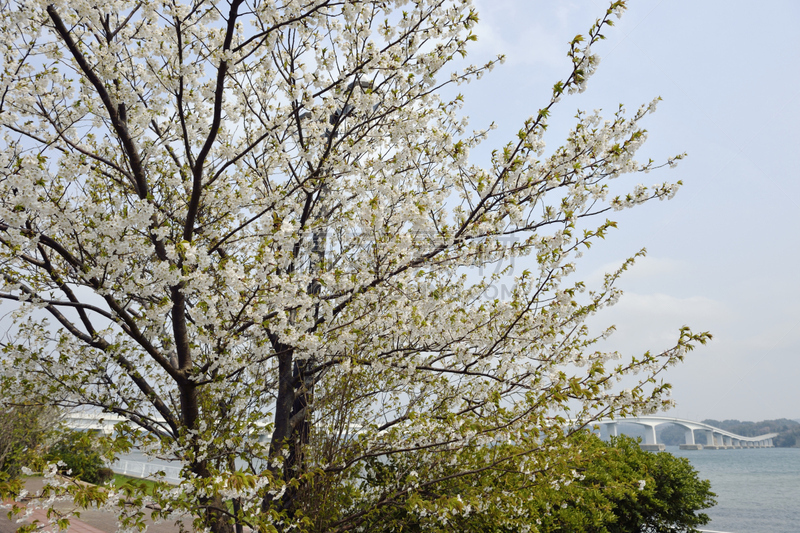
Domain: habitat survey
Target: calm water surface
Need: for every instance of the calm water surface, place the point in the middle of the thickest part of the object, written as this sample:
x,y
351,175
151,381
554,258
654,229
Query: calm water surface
x,y
758,490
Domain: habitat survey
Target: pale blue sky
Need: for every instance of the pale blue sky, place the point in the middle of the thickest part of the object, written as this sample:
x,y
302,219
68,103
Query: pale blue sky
x,y
723,254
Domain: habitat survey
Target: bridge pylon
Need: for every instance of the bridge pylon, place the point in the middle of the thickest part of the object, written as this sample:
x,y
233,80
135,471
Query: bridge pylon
x,y
715,438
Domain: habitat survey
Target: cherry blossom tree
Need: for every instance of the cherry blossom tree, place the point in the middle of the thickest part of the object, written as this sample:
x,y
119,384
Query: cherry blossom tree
x,y
253,230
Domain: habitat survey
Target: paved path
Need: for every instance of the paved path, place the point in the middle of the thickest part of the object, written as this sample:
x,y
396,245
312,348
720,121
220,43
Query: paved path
x,y
91,520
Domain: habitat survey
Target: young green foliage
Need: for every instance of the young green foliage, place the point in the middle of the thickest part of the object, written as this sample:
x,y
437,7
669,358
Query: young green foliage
x,y
588,486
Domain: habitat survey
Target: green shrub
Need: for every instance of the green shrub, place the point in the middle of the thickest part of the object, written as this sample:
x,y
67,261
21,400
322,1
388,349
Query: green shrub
x,y
613,487
23,429
82,456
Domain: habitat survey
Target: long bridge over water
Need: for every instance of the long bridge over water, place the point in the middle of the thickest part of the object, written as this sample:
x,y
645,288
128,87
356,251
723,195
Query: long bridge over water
x,y
716,438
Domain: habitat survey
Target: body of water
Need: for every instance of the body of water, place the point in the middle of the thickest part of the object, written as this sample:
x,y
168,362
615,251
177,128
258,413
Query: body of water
x,y
758,490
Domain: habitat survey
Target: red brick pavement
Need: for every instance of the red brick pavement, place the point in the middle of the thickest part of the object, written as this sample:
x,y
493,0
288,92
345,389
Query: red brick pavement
x,y
90,521
75,525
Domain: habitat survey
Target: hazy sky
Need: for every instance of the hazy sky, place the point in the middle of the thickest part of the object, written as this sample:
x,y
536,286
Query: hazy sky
x,y
722,255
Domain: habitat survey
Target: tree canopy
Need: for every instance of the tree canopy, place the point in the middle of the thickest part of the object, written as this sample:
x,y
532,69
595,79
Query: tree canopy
x,y
253,229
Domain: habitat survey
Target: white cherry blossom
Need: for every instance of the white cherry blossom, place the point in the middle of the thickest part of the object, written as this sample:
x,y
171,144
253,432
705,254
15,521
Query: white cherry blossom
x,y
253,230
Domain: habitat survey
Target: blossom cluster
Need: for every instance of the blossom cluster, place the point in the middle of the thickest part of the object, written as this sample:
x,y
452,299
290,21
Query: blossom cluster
x,y
256,233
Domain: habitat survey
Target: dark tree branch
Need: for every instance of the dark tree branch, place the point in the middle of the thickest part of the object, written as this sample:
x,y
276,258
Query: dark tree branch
x,y
113,109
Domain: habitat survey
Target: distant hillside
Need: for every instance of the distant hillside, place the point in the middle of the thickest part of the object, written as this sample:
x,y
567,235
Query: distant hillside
x,y
788,430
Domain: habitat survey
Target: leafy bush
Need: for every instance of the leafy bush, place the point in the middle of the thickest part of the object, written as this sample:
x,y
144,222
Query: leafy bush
x,y
82,455
22,432
669,498
612,487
